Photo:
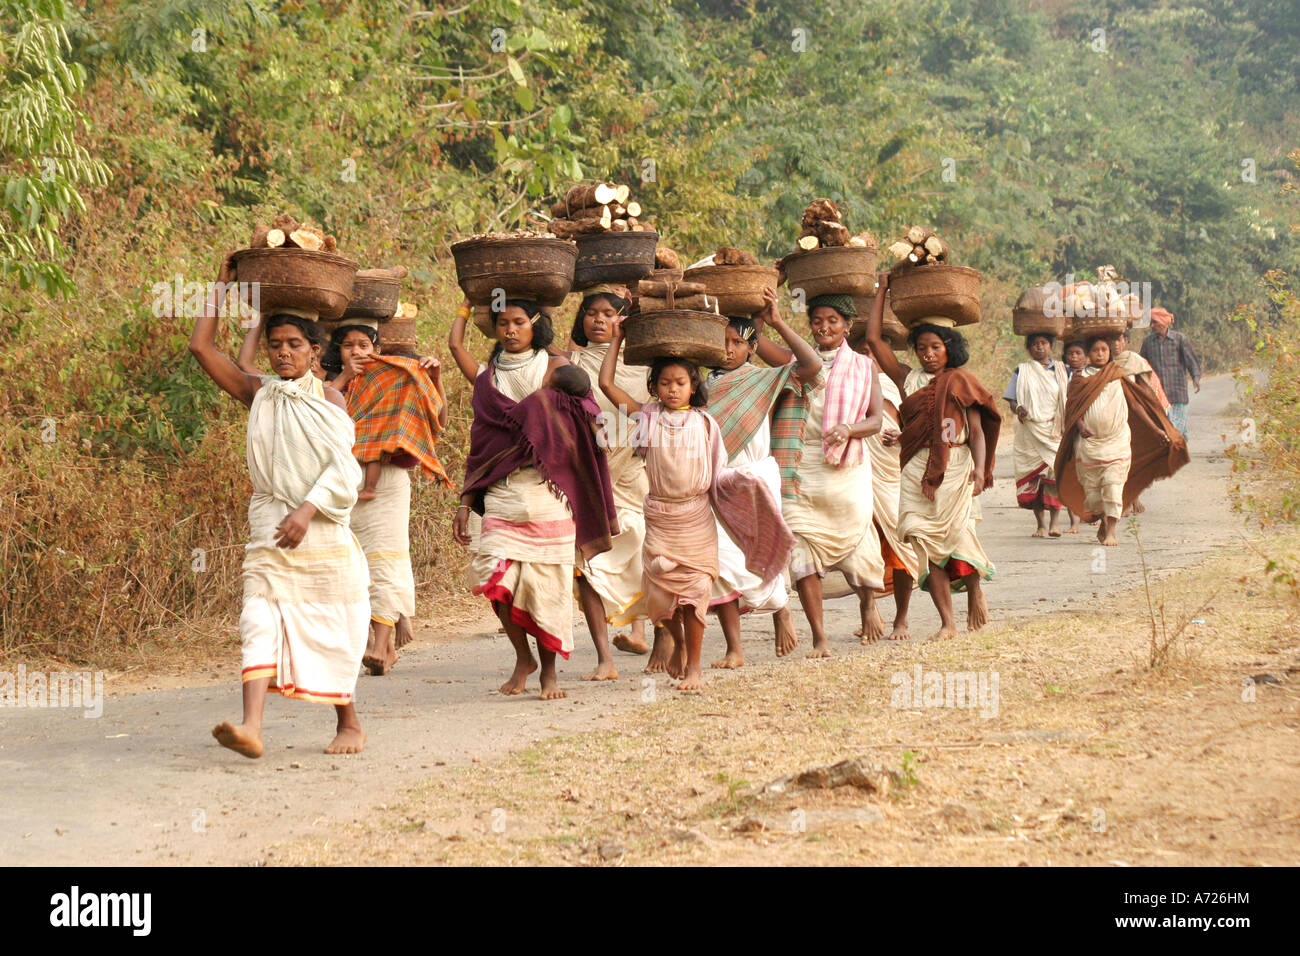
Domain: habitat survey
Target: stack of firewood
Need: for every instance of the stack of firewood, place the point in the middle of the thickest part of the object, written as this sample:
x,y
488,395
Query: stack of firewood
x,y
919,246
287,232
822,225
587,210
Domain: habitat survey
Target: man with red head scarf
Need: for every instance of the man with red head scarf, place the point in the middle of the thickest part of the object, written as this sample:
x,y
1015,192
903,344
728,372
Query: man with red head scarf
x,y
1173,359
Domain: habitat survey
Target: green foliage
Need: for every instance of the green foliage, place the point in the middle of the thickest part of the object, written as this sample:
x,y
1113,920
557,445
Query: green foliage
x,y
41,163
403,127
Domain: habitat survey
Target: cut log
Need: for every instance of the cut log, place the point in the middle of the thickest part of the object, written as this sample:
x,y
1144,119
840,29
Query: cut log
x,y
307,238
633,210
900,249
618,225
698,303
331,244
580,197
275,238
917,235
621,193
666,258
285,223
259,237
808,243
566,229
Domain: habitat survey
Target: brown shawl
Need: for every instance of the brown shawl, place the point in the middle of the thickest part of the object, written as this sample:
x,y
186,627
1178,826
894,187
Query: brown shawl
x,y
945,399
1158,448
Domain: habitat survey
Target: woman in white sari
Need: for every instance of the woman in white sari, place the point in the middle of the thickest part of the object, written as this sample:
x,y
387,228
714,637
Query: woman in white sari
x,y
609,584
1036,395
306,607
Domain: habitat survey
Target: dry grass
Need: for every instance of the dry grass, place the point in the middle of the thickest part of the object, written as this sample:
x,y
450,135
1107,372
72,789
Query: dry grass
x,y
1093,757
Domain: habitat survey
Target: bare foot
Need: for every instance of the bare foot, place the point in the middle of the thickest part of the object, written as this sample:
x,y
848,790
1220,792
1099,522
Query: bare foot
x,y
1053,534
820,649
551,689
900,633
349,740
677,662
875,627
1138,506
628,644
1110,541
1040,533
943,634
515,685
365,494
1074,529
240,739
665,644
787,638
402,632
729,661
379,658
691,680
977,610
603,671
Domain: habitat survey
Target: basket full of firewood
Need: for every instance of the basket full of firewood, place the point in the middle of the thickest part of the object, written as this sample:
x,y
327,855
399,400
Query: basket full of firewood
x,y
830,270
1035,315
699,337
614,257
736,279
295,278
523,266
375,294
892,330
936,290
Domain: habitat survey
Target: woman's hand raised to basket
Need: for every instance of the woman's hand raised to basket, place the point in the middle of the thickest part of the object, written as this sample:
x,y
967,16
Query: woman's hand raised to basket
x,y
616,330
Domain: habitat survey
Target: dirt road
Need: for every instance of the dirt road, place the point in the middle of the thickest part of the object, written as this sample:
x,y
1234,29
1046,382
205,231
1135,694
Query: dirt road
x,y
146,784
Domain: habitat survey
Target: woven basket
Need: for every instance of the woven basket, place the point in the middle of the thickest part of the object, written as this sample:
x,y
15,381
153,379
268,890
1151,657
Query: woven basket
x,y
832,270
1080,327
397,332
536,269
614,257
699,337
892,331
319,282
936,289
738,289
1030,322
659,289
375,294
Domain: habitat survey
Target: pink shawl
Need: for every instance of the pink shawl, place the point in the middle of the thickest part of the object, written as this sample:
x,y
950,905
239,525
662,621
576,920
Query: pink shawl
x,y
742,502
848,396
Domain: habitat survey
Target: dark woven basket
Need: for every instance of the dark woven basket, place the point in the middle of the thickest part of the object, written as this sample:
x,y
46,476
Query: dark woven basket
x,y
375,294
1032,322
397,332
536,269
319,282
738,289
892,331
936,289
614,257
831,270
1080,327
699,337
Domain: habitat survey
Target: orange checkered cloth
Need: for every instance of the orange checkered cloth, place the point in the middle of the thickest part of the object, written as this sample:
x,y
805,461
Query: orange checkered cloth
x,y
395,406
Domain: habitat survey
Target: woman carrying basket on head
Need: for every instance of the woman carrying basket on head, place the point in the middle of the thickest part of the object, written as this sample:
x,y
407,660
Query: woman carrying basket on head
x,y
306,607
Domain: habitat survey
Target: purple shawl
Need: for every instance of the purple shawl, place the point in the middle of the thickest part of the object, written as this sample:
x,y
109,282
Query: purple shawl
x,y
554,432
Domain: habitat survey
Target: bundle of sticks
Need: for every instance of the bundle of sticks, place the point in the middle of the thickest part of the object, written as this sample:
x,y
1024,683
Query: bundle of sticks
x,y
822,225
587,210
919,246
287,232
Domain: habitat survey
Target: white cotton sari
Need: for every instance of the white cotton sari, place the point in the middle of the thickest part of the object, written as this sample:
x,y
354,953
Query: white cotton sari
x,y
306,611
615,574
1102,461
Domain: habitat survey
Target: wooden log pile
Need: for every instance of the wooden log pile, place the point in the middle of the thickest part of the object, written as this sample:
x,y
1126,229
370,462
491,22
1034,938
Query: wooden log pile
x,y
822,225
288,233
919,246
590,209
